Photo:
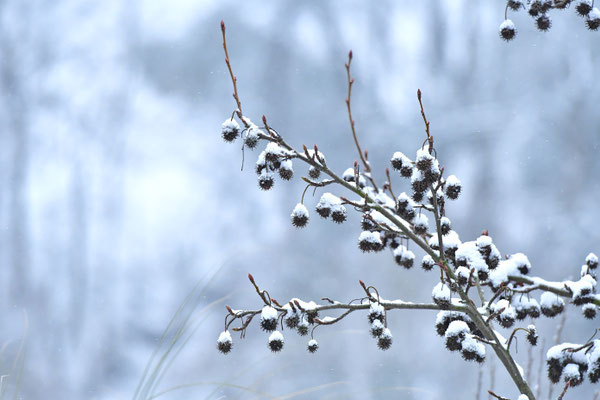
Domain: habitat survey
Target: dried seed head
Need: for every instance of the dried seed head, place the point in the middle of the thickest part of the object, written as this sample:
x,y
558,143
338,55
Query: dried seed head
x,y
589,311
268,319
276,342
551,304
376,312
314,173
441,295
591,261
445,225
532,336
427,263
404,207
455,334
384,341
472,350
230,130
507,30
593,19
453,187
224,343
266,180
421,224
303,327
535,8
370,241
312,346
424,160
367,224
292,320
543,22
514,5
338,213
286,171
299,216
251,137
583,7
377,328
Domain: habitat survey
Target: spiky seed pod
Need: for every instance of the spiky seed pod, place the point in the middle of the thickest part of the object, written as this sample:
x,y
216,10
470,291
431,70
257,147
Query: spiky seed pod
x,y
453,187
593,19
292,320
312,346
311,315
507,316
384,341
230,130
408,259
273,152
424,160
463,273
276,342
572,374
441,295
533,309
394,242
555,369
265,180
299,216
367,224
522,263
546,5
370,241
445,225
418,181
507,30
551,305
338,213
455,334
591,261
514,5
427,263
417,197
224,343
286,172
433,173
532,336
404,207
589,311
376,312
251,137
324,210
472,350
543,22
303,327
421,224
314,173
583,7
268,318
450,251
594,363
377,328
535,8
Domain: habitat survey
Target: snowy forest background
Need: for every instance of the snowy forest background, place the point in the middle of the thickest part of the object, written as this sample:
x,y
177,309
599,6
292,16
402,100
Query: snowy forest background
x,y
118,195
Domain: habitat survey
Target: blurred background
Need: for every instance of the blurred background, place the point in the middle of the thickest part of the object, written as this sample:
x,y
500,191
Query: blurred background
x,y
118,195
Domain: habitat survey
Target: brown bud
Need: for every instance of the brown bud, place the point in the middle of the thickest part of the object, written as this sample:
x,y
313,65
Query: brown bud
x,y
251,278
485,233
419,94
222,25
350,55
230,310
264,119
362,284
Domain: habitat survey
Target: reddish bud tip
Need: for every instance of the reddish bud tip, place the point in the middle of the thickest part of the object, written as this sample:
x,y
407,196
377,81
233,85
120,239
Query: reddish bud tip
x,y
419,94
317,321
350,55
264,119
366,153
251,278
222,25
362,283
229,309
355,163
387,171
316,148
352,81
485,233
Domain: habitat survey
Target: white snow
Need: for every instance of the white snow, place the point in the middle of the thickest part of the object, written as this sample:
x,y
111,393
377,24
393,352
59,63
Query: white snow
x,y
230,125
300,211
370,237
571,372
421,220
591,259
452,181
594,14
549,299
558,353
463,272
523,397
376,308
507,24
582,287
441,292
224,337
329,200
268,312
423,155
276,335
472,345
312,343
451,240
387,334
484,241
456,328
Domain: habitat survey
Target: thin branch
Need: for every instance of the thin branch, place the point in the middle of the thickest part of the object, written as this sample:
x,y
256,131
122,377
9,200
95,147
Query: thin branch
x,y
348,99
